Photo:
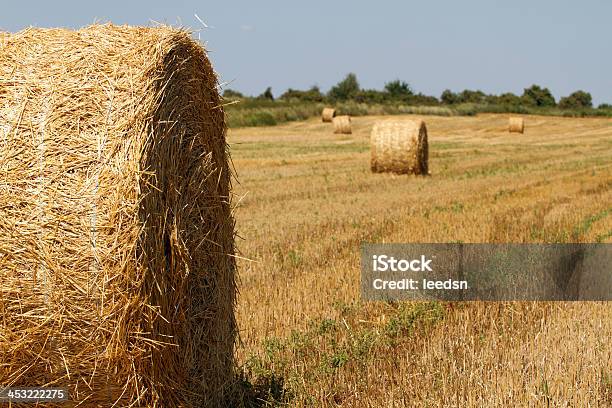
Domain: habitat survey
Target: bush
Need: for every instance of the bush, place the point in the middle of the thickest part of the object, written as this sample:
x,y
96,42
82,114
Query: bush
x,y
346,89
353,108
537,96
448,97
422,100
506,99
398,89
577,100
371,96
231,94
312,95
262,118
468,96
267,94
466,109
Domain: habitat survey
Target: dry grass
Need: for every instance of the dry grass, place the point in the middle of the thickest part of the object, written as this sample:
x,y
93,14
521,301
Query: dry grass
x,y
116,237
4,36
308,201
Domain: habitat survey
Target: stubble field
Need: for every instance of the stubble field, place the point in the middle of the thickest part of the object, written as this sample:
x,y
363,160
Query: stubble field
x,y
306,200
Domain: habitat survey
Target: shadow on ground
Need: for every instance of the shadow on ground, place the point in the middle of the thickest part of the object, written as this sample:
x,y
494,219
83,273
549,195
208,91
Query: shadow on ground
x,y
265,392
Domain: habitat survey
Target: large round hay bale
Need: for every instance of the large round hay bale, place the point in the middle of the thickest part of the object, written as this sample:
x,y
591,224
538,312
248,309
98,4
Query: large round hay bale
x,y
328,114
399,146
117,275
516,125
342,124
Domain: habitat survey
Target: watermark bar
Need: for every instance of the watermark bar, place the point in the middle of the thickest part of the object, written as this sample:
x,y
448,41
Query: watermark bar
x,y
33,394
490,272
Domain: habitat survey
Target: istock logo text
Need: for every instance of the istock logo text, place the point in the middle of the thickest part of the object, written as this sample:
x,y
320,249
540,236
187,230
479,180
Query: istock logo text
x,y
383,263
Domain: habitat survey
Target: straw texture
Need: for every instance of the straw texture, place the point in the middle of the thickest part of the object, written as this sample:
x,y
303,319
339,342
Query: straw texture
x,y
116,233
328,114
3,37
342,124
516,125
399,146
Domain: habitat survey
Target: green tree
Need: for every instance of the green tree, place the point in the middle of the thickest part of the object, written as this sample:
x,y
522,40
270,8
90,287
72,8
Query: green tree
x,y
507,99
371,96
398,89
423,100
469,96
312,95
577,100
448,97
267,94
538,96
231,94
348,88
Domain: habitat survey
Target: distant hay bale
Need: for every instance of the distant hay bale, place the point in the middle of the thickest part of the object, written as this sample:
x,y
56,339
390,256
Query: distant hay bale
x,y
328,114
117,275
342,124
516,125
399,146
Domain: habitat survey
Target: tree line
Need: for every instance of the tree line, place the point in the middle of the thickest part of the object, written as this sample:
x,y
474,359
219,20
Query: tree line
x,y
398,91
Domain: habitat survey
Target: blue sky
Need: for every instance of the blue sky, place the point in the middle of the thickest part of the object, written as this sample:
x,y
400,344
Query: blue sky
x,y
495,46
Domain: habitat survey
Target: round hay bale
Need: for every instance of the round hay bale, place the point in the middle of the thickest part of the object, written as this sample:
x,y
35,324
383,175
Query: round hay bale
x,y
399,146
516,125
342,124
328,114
117,274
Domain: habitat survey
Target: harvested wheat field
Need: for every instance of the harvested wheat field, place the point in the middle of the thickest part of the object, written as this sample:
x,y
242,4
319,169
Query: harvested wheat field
x,y
307,199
